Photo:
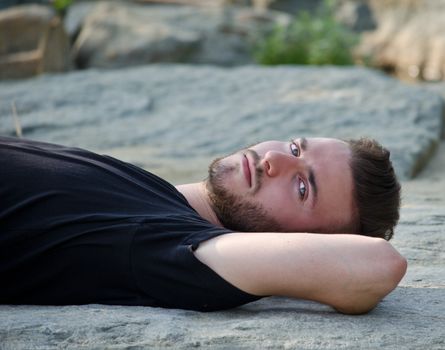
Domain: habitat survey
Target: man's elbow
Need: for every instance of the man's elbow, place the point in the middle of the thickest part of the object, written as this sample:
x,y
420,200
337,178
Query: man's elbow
x,y
390,269
393,268
397,266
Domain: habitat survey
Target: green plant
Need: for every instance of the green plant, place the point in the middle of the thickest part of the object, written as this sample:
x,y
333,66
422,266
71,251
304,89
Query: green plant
x,y
310,39
61,5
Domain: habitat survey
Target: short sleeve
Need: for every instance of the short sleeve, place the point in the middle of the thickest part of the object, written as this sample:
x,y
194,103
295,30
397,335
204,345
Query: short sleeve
x,y
169,274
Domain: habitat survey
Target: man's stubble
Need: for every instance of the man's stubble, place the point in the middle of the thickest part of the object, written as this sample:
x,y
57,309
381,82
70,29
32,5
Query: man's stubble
x,y
236,212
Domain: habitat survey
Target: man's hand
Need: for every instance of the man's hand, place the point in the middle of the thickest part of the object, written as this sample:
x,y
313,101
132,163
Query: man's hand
x,y
351,273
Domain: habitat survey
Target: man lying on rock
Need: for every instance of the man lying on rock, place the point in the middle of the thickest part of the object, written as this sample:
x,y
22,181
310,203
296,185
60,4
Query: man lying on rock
x,y
77,227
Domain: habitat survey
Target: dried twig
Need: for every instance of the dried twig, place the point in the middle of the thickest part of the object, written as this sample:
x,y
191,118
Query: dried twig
x,y
15,116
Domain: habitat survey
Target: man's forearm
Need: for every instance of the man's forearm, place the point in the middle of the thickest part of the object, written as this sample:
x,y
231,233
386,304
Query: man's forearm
x,y
349,272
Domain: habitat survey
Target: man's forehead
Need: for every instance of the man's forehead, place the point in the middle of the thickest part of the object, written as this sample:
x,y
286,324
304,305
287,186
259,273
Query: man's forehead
x,y
334,178
321,139
329,144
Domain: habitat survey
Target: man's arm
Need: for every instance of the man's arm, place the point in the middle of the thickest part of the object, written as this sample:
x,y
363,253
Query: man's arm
x,y
351,273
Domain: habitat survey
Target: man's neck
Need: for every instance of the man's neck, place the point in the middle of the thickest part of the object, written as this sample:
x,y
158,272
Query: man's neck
x,y
197,196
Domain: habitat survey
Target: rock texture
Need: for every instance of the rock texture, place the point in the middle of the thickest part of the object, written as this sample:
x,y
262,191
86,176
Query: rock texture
x,y
295,6
120,34
174,119
32,41
356,15
411,317
410,38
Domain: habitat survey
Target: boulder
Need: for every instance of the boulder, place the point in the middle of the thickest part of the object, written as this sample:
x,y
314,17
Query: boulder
x,y
32,41
75,17
355,14
174,119
118,34
438,88
295,6
409,40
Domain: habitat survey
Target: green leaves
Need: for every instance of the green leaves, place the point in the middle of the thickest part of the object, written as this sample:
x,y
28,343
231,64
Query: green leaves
x,y
61,5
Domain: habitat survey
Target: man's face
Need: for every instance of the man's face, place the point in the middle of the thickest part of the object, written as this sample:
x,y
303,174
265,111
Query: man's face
x,y
304,185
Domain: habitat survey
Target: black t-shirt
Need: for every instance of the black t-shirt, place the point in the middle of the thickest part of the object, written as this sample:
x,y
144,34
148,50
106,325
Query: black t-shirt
x,y
77,227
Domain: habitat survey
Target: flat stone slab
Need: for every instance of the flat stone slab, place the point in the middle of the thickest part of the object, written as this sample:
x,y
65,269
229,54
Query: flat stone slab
x,y
412,317
403,321
180,125
173,119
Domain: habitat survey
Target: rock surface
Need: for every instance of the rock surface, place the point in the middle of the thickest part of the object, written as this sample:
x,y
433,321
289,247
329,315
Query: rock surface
x,y
412,317
120,34
189,115
410,38
355,14
174,119
32,41
295,6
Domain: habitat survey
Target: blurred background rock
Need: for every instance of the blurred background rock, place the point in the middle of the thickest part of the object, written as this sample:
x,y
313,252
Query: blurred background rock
x,y
409,39
32,41
404,37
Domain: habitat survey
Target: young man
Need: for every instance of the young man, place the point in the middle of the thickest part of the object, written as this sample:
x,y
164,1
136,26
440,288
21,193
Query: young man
x,y
77,227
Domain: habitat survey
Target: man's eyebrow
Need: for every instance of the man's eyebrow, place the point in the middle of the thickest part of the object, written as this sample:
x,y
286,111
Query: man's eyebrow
x,y
313,183
303,143
312,180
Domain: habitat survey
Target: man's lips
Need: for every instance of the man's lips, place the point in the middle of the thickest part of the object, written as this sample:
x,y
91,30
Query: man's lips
x,y
246,168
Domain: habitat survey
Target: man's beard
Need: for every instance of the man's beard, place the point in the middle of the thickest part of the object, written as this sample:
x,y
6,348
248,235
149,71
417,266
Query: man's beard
x,y
233,211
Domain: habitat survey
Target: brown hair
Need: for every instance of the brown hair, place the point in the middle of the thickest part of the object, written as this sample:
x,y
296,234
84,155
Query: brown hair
x,y
376,188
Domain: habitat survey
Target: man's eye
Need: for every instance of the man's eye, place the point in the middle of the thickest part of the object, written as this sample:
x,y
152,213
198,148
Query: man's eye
x,y
295,150
302,189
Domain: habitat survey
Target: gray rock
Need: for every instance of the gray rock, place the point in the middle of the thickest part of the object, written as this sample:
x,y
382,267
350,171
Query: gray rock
x,y
75,17
295,6
174,119
188,114
407,319
356,15
119,34
438,88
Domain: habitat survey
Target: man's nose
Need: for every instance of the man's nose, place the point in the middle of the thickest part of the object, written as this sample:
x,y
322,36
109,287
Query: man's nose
x,y
277,163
